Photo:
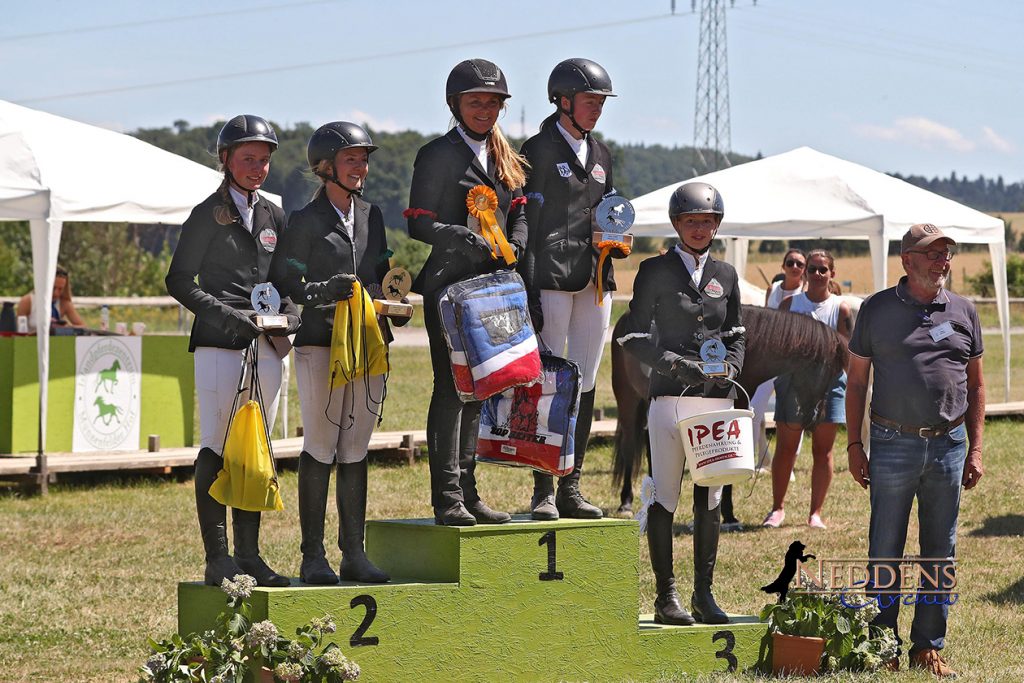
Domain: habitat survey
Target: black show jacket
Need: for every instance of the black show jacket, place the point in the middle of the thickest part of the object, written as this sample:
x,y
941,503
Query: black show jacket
x,y
561,196
445,171
317,246
228,262
669,316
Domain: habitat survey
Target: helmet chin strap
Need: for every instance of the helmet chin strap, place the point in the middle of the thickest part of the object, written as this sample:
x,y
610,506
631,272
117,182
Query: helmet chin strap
x,y
248,193
333,178
470,133
700,252
571,113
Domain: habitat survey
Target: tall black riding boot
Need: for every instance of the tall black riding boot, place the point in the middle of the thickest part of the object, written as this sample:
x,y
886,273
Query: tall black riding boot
x,y
351,497
246,526
569,501
443,454
706,525
468,432
314,483
667,609
213,521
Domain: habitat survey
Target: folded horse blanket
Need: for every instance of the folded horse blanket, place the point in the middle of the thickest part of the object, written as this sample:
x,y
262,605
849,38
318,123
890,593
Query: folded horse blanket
x,y
533,426
491,342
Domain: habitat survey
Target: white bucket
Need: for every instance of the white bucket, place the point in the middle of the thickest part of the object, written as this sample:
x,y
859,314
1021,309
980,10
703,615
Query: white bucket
x,y
719,446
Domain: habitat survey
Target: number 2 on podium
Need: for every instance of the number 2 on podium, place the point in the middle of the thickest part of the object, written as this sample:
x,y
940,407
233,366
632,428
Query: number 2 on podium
x,y
550,574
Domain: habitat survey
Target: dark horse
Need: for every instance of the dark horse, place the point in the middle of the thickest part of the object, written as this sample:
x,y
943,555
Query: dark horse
x,y
777,343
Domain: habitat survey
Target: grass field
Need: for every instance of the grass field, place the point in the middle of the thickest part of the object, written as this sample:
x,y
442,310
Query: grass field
x,y
90,571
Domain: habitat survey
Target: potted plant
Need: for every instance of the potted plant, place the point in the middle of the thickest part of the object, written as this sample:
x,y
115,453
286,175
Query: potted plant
x,y
237,650
819,631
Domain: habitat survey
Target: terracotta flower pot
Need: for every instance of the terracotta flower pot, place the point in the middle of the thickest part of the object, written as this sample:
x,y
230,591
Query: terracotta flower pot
x,y
796,655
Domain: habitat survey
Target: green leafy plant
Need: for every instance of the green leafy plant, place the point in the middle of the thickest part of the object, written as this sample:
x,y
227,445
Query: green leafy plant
x,y
236,648
842,618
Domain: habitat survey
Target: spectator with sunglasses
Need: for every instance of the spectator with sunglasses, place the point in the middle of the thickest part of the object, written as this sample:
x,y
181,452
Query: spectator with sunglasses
x,y
819,303
792,280
927,417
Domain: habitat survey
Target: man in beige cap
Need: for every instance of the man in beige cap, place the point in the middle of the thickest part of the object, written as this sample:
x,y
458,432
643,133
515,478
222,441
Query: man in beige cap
x,y
927,415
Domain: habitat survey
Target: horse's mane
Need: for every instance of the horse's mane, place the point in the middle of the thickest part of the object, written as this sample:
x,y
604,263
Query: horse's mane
x,y
801,340
793,334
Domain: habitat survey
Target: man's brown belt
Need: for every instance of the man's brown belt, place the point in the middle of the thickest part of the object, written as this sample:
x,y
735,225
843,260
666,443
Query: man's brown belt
x,y
924,432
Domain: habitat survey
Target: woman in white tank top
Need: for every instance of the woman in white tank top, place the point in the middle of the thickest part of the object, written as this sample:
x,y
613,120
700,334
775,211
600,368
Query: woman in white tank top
x,y
793,265
819,303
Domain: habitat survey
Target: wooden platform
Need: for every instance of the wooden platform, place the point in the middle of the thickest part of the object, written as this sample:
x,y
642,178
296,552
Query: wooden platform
x,y
384,446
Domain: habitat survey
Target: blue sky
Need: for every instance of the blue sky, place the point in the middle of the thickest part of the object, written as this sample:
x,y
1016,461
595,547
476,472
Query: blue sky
x,y
914,86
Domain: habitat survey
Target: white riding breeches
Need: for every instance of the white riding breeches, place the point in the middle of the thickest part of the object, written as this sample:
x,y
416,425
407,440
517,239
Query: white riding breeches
x,y
217,373
575,328
668,459
343,429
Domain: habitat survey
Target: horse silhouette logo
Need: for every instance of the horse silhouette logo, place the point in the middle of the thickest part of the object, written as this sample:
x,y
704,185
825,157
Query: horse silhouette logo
x,y
108,378
781,584
107,411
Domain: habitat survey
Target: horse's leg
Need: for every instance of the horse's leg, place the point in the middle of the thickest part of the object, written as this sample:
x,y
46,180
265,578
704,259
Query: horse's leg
x,y
623,443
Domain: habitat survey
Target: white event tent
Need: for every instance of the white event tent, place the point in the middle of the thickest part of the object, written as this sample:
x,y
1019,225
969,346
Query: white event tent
x,y
804,194
54,170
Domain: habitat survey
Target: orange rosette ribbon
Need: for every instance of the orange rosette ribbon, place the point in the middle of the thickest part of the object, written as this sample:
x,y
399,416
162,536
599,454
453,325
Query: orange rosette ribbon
x,y
482,202
606,246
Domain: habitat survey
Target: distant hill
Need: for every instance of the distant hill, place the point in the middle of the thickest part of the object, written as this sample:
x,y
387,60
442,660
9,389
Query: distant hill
x,y
638,168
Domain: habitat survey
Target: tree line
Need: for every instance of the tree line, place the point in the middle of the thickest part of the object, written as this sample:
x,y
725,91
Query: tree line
x,y
120,260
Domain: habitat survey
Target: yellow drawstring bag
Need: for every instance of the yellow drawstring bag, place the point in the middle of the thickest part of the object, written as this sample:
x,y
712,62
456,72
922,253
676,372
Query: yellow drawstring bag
x,y
357,344
248,480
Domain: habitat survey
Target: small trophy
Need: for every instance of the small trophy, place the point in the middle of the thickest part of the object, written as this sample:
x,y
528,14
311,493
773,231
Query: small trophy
x,y
267,303
712,353
614,216
395,287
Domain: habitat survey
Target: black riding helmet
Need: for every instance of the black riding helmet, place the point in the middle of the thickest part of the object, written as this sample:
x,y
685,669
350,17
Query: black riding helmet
x,y
246,128
331,138
696,198
577,75
474,75
240,129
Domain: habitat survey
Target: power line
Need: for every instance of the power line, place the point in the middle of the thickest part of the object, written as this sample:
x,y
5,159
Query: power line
x,y
337,62
164,20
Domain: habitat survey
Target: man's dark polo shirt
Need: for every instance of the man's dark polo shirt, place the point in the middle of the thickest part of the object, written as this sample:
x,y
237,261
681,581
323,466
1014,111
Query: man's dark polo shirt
x,y
918,381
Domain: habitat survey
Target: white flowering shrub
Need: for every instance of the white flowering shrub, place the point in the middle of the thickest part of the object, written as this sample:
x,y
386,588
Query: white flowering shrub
x,y
236,645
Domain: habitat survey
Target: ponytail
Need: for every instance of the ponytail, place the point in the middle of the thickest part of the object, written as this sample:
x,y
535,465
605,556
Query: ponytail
x,y
222,212
509,165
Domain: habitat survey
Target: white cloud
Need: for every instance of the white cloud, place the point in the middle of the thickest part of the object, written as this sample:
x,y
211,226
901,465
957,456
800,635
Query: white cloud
x,y
386,125
919,132
993,140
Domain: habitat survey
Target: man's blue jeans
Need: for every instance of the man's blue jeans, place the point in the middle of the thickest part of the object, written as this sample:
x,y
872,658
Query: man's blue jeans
x,y
902,467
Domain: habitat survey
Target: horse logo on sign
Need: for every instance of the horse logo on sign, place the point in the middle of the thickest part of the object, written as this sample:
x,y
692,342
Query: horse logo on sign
x,y
107,382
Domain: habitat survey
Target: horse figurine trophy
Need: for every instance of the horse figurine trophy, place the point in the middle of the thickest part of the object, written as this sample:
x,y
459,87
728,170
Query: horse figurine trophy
x,y
266,301
395,287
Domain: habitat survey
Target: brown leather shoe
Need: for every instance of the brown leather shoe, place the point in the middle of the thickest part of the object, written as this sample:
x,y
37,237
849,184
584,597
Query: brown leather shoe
x,y
930,660
892,665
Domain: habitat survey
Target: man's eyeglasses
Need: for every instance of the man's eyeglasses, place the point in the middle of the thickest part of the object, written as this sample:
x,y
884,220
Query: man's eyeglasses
x,y
818,270
790,263
935,255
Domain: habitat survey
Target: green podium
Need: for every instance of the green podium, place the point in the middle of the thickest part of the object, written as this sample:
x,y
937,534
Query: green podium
x,y
526,601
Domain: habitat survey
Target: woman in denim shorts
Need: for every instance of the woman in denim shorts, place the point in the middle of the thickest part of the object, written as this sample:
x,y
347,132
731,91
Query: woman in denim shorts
x,y
819,303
